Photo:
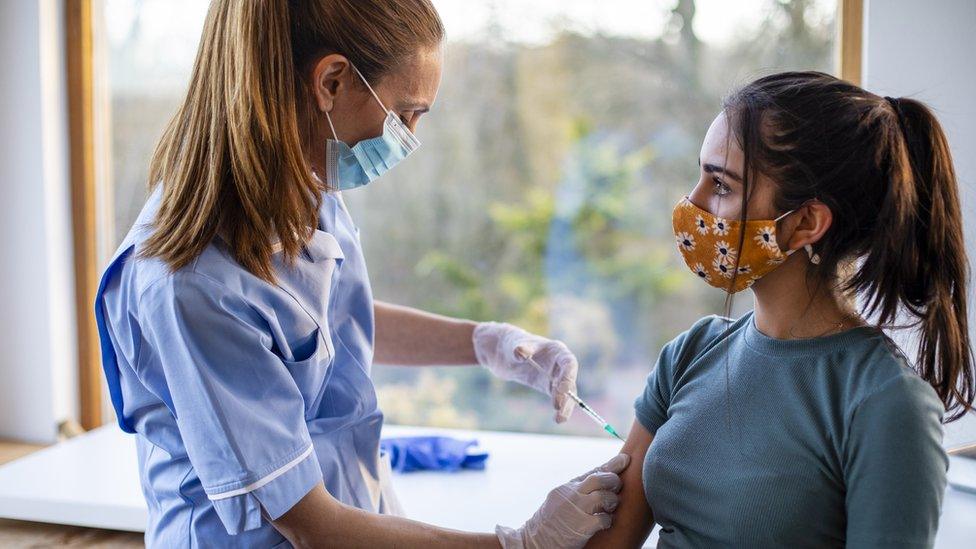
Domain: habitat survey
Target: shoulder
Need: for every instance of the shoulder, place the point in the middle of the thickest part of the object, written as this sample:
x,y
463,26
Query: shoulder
x,y
904,393
212,286
185,291
884,388
214,269
879,370
190,306
700,336
712,327
680,352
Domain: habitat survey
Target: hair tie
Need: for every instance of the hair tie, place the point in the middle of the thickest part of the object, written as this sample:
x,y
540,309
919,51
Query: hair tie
x,y
895,103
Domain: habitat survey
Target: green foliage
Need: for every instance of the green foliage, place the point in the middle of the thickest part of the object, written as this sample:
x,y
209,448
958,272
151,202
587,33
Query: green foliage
x,y
526,224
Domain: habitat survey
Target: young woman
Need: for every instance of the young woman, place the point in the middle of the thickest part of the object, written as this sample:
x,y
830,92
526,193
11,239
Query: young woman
x,y
237,323
801,424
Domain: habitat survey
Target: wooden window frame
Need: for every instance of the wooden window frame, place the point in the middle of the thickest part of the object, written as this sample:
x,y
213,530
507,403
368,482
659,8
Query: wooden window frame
x,y
81,141
81,124
850,26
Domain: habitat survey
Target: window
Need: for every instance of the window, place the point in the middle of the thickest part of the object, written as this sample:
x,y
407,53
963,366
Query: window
x,y
563,134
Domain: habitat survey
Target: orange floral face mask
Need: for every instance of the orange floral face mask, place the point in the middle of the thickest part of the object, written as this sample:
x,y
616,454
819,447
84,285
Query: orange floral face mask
x,y
708,245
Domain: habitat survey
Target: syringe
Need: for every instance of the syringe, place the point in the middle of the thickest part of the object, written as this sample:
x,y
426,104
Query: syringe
x,y
586,408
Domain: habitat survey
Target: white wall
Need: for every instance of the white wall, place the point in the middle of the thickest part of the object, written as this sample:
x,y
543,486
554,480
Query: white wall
x,y
927,50
38,364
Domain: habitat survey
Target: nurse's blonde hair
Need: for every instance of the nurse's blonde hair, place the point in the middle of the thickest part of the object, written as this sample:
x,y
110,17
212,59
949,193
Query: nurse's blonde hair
x,y
235,154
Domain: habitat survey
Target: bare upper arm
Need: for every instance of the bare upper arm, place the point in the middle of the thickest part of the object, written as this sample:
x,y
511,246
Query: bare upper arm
x,y
308,518
633,520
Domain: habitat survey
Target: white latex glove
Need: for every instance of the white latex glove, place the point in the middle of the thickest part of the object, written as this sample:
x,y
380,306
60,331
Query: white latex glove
x,y
572,513
495,346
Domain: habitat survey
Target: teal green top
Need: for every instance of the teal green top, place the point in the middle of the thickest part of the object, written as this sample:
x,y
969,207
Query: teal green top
x,y
760,442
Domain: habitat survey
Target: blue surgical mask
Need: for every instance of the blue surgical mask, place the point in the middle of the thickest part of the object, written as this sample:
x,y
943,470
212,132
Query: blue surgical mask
x,y
350,167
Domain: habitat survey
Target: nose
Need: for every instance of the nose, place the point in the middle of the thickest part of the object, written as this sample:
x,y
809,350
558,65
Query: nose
x,y
700,198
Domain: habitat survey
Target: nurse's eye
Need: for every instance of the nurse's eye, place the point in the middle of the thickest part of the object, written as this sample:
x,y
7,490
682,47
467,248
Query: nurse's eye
x,y
407,117
720,188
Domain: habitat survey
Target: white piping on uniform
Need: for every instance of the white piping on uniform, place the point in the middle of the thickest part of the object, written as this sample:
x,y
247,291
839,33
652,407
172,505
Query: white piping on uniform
x,y
264,480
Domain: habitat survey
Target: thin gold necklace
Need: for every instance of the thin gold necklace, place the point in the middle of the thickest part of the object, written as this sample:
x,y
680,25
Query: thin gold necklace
x,y
836,328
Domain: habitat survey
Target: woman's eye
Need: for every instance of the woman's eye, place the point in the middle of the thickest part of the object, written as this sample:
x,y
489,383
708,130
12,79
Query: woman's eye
x,y
721,189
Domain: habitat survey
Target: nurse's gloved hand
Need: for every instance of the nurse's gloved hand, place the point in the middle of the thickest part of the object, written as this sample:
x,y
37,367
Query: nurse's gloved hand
x,y
501,347
572,513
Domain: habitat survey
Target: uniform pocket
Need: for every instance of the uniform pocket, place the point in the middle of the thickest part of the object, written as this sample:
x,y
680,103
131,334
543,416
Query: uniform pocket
x,y
311,283
306,350
312,371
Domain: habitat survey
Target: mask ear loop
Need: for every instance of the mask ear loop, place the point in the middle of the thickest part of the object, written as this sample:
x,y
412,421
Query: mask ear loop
x,y
370,88
329,118
777,220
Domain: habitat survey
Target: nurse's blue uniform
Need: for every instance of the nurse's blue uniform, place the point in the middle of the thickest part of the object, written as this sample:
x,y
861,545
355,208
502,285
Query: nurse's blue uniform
x,y
243,395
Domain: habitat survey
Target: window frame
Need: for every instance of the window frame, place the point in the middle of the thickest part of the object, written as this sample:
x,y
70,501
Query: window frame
x,y
850,33
81,152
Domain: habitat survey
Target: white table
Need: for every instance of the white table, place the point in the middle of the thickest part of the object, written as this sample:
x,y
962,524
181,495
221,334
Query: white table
x,y
92,480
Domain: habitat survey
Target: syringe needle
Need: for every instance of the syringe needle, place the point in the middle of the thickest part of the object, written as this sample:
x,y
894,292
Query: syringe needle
x,y
586,407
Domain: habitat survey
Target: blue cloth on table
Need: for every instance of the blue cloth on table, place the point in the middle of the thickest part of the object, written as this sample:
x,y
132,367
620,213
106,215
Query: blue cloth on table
x,y
432,453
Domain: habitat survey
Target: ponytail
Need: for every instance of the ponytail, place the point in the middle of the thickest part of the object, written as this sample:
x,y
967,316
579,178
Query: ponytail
x,y
234,159
918,260
883,167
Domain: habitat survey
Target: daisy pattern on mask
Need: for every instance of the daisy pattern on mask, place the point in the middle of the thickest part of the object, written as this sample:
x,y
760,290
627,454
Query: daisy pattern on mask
x,y
721,267
701,272
744,270
720,227
700,225
685,241
725,252
766,238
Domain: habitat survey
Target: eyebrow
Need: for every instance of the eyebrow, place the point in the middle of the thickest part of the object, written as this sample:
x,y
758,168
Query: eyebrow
x,y
712,168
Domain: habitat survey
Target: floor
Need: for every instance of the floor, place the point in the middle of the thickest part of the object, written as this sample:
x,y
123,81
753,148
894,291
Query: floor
x,y
17,533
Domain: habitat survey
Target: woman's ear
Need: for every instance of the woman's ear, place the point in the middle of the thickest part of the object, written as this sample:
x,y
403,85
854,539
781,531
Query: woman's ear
x,y
812,221
329,75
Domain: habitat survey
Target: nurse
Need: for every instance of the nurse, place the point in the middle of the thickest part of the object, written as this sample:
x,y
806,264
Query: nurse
x,y
236,319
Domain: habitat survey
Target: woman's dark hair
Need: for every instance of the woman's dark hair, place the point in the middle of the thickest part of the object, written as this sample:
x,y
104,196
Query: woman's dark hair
x,y
883,167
